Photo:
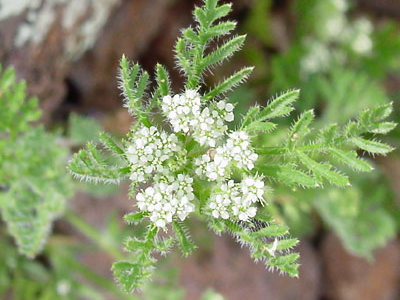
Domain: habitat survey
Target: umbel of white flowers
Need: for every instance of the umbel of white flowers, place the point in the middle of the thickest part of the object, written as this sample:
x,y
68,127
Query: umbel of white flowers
x,y
153,154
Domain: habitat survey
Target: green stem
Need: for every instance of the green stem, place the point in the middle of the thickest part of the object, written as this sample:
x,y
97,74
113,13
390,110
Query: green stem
x,y
284,150
93,234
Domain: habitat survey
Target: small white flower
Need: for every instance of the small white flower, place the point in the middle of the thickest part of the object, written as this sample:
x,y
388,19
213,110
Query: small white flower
x,y
63,287
181,109
335,26
169,197
341,5
238,145
252,189
216,168
236,199
362,44
229,117
220,201
185,115
317,59
243,210
148,150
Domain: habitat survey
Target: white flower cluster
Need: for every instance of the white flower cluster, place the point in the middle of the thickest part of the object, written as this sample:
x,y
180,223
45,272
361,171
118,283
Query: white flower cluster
x,y
231,199
237,199
147,152
317,59
337,29
185,114
237,149
361,41
340,5
153,152
168,197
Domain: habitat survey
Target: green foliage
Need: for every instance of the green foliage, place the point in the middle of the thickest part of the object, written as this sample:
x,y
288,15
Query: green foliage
x,y
132,275
22,278
265,241
297,165
15,103
191,48
183,239
34,184
341,61
358,215
93,166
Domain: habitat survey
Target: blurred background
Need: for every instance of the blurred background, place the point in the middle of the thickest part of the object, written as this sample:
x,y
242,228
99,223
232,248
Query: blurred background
x,y
343,54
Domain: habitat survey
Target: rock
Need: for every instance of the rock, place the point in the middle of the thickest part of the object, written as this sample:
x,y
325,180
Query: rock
x,y
145,34
46,41
41,37
229,270
349,277
130,30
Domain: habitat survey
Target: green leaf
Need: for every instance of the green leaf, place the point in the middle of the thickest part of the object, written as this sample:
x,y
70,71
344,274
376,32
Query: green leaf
x,y
287,244
7,78
285,263
381,112
130,275
217,225
260,127
382,128
110,144
164,246
183,57
350,158
90,165
271,231
210,13
323,170
279,106
329,133
220,29
251,115
371,146
201,17
34,185
229,83
288,175
127,78
134,218
300,128
221,11
133,244
269,252
38,188
223,52
163,80
141,86
190,36
186,246
359,215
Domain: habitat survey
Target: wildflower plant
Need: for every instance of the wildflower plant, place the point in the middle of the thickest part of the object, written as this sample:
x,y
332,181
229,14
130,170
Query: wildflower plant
x,y
34,185
194,165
